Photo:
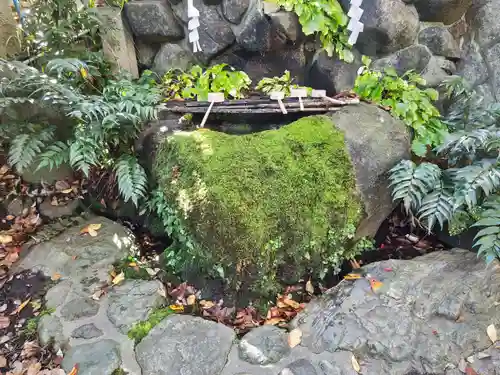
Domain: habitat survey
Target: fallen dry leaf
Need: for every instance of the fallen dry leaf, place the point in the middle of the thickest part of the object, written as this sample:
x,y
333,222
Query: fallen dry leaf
x,y
56,276
294,337
4,169
5,239
206,304
152,272
309,287
67,191
492,333
355,364
97,295
30,349
470,371
462,365
176,308
290,302
273,321
3,361
191,300
21,306
61,185
4,322
74,370
91,229
34,368
375,284
118,278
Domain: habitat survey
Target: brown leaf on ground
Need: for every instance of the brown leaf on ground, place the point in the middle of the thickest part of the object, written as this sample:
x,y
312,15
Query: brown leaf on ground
x,y
3,361
30,349
492,333
91,229
21,306
294,337
290,302
191,300
4,322
56,276
274,321
34,369
206,304
355,364
309,287
5,239
118,278
62,185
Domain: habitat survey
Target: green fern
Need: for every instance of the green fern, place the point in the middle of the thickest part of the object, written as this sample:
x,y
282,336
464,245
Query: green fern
x,y
132,178
481,177
84,154
26,147
54,155
411,183
438,206
488,238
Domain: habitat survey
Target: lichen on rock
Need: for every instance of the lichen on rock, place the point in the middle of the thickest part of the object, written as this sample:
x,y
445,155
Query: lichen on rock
x,y
261,203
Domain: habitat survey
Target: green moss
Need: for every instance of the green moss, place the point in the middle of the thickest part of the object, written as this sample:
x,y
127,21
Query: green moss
x,y
141,329
256,203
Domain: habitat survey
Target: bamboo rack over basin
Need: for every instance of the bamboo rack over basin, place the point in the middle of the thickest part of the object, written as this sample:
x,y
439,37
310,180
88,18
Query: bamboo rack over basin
x,y
262,105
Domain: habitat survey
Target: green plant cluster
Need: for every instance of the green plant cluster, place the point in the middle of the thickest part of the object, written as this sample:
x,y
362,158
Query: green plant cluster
x,y
408,101
326,19
100,128
256,204
283,83
467,186
58,28
198,83
141,329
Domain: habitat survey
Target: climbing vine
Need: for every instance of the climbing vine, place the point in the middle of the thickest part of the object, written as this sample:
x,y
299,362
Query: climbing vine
x,y
325,18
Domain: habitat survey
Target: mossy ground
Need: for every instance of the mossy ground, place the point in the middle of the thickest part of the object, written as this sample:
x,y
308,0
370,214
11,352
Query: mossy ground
x,y
257,203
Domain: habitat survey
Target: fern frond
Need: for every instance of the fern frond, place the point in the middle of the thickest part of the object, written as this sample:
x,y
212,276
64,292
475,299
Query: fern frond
x,y
26,147
481,176
488,238
64,66
411,183
460,144
83,154
132,179
438,206
55,155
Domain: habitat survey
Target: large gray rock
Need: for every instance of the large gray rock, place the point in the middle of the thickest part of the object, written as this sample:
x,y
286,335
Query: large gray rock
x,y
264,345
446,11
255,33
133,301
185,345
333,74
287,23
389,25
376,141
415,58
98,358
146,52
50,330
483,19
437,70
234,10
439,41
443,302
172,55
473,67
79,308
153,20
86,331
492,57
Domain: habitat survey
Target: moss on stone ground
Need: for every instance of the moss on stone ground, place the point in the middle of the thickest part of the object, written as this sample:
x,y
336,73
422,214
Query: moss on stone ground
x,y
142,328
256,203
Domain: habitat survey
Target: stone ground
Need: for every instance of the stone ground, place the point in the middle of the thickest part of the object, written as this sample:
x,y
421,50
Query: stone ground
x,y
430,314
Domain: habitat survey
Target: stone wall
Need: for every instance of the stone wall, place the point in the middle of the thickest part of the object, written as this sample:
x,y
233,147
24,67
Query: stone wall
x,y
436,38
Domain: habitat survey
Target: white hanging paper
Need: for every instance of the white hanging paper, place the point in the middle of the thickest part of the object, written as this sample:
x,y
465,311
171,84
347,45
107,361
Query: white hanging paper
x,y
355,26
193,24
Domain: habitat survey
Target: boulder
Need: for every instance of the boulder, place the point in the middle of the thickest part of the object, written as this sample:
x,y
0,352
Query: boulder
x,y
240,186
153,20
264,345
255,33
472,66
415,58
146,53
439,41
234,10
333,74
492,58
389,25
437,70
172,55
483,19
446,11
203,347
443,302
101,357
287,23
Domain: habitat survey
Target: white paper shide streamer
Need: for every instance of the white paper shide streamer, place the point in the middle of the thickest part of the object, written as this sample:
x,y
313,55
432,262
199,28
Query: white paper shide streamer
x,y
193,24
355,26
